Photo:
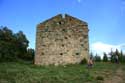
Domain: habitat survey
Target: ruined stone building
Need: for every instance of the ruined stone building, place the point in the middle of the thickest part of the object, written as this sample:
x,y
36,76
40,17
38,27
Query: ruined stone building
x,y
61,40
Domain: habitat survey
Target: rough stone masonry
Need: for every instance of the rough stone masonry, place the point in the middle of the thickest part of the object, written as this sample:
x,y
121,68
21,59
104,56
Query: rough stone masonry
x,y
61,40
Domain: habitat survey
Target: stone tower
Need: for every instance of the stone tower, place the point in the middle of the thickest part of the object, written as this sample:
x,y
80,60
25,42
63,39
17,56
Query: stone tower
x,y
61,40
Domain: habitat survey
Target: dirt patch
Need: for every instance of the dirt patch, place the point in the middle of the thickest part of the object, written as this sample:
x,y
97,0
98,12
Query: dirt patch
x,y
116,78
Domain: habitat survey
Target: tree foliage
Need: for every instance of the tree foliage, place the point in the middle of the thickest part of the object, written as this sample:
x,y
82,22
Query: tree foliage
x,y
116,53
105,58
97,58
13,46
30,54
91,55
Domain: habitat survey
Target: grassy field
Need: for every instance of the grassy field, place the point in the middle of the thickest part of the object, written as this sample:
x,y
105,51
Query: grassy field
x,y
18,72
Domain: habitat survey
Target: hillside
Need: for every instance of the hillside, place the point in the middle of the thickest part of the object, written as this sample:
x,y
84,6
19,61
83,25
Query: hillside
x,y
13,72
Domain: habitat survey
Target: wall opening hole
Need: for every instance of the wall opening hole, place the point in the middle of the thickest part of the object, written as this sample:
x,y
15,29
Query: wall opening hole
x,y
65,37
77,53
42,53
62,45
64,30
82,45
61,53
60,22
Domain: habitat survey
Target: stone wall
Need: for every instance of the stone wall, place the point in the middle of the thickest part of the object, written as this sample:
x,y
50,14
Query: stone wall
x,y
61,40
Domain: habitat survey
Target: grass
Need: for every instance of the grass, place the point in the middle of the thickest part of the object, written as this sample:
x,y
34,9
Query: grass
x,y
16,72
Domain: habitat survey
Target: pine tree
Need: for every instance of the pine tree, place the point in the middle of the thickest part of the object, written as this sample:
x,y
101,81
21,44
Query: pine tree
x,y
105,58
122,57
97,58
112,56
91,55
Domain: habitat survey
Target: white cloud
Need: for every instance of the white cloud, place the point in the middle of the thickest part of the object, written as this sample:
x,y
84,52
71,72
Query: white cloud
x,y
100,47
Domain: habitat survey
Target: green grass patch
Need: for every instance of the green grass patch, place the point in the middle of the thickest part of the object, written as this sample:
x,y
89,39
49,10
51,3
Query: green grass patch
x,y
16,72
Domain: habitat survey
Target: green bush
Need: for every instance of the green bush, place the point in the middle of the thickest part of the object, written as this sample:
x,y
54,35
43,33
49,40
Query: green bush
x,y
99,78
84,61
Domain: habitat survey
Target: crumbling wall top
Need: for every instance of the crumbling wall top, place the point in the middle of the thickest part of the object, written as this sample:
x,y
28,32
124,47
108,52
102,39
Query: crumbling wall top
x,y
65,18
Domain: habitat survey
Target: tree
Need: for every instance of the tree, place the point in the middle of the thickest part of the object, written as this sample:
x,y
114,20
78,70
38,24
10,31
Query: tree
x,y
21,44
6,45
13,46
105,58
115,54
97,58
112,56
121,57
30,54
91,55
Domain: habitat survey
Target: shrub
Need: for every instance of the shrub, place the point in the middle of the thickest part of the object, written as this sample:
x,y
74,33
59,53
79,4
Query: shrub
x,y
99,78
84,61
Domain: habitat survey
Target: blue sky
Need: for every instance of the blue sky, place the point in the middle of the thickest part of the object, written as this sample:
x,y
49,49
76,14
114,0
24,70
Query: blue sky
x,y
105,18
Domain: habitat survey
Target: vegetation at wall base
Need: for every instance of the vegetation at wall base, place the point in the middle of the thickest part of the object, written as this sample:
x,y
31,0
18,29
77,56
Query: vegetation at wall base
x,y
84,61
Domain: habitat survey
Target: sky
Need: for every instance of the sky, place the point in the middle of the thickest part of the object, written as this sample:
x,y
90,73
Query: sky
x,y
105,19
